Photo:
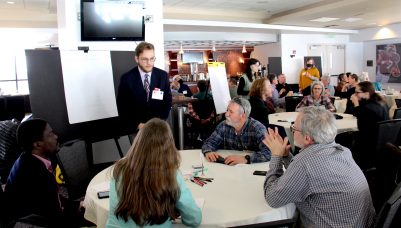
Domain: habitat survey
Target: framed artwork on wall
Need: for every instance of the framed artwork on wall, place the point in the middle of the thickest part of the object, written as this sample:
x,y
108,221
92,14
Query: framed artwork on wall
x,y
388,63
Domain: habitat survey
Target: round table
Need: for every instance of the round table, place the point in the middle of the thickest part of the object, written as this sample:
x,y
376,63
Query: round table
x,y
348,123
390,101
235,197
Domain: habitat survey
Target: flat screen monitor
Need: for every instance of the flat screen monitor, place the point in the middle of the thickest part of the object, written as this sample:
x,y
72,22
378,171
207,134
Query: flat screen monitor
x,y
111,21
192,57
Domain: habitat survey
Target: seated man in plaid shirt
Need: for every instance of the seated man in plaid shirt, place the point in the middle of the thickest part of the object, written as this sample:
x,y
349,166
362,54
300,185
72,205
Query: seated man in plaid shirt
x,y
238,132
327,186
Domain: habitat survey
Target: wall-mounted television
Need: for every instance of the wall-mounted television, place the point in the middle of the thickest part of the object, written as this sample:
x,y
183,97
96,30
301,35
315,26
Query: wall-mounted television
x,y
111,21
192,57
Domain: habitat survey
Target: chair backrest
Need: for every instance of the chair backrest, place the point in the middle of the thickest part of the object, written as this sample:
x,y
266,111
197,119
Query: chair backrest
x,y
291,103
9,149
387,132
398,102
388,168
75,168
390,213
397,113
346,139
16,107
204,108
281,129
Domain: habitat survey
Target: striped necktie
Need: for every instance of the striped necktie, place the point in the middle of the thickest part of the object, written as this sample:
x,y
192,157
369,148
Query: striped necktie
x,y
146,86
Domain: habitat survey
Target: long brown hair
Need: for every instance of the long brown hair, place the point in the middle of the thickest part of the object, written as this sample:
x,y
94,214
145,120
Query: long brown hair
x,y
368,87
258,87
146,178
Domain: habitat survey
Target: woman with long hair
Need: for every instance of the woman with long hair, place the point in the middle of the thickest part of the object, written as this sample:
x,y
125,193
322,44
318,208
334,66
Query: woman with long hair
x,y
369,108
147,189
260,100
245,82
316,98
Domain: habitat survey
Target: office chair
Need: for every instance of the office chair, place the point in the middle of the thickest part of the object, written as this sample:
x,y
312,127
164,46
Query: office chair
x,y
75,168
397,113
398,102
386,178
390,214
291,103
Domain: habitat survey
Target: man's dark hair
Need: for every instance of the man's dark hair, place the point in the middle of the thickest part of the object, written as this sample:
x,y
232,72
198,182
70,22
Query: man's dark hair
x,y
30,132
271,77
202,85
142,47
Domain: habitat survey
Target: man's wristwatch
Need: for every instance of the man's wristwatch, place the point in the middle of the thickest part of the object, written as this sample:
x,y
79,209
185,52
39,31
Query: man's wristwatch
x,y
248,159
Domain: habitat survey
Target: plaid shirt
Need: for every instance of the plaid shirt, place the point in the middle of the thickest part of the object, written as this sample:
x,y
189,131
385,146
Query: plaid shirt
x,y
250,139
326,185
324,101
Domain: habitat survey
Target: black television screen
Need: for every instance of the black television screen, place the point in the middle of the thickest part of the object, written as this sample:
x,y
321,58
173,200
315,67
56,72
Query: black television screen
x,y
111,21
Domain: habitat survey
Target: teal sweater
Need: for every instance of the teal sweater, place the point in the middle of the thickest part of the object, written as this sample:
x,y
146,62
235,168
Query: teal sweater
x,y
191,215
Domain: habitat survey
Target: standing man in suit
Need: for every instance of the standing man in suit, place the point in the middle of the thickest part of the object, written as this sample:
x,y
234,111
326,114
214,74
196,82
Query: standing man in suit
x,y
144,91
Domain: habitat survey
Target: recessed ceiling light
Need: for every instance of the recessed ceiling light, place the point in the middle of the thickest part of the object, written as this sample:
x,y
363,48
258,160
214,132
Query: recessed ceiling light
x,y
325,19
10,2
373,23
352,19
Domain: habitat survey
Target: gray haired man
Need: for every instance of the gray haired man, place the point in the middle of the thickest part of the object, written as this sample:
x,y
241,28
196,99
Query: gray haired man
x,y
238,132
323,180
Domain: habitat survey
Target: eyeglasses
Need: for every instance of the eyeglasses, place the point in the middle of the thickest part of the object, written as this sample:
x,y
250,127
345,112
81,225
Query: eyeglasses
x,y
151,60
293,129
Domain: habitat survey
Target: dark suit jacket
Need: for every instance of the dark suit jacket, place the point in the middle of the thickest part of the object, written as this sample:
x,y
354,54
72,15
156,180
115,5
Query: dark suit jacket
x,y
32,189
131,98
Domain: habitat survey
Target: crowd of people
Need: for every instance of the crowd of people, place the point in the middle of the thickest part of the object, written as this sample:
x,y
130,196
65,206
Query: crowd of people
x,y
147,188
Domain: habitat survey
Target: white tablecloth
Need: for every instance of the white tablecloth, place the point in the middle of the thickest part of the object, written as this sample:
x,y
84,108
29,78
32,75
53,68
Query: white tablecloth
x,y
235,197
348,123
340,104
390,100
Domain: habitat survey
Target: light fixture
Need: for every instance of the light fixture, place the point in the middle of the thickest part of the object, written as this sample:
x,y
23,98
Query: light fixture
x,y
243,48
214,47
181,50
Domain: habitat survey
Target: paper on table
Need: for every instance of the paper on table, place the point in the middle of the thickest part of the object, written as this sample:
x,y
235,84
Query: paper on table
x,y
102,186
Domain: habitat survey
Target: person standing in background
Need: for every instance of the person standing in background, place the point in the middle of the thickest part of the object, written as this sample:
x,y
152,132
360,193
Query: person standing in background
x,y
144,91
308,75
245,82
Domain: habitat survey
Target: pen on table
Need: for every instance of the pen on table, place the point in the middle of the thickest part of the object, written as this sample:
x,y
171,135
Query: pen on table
x,y
282,121
197,182
200,180
205,179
